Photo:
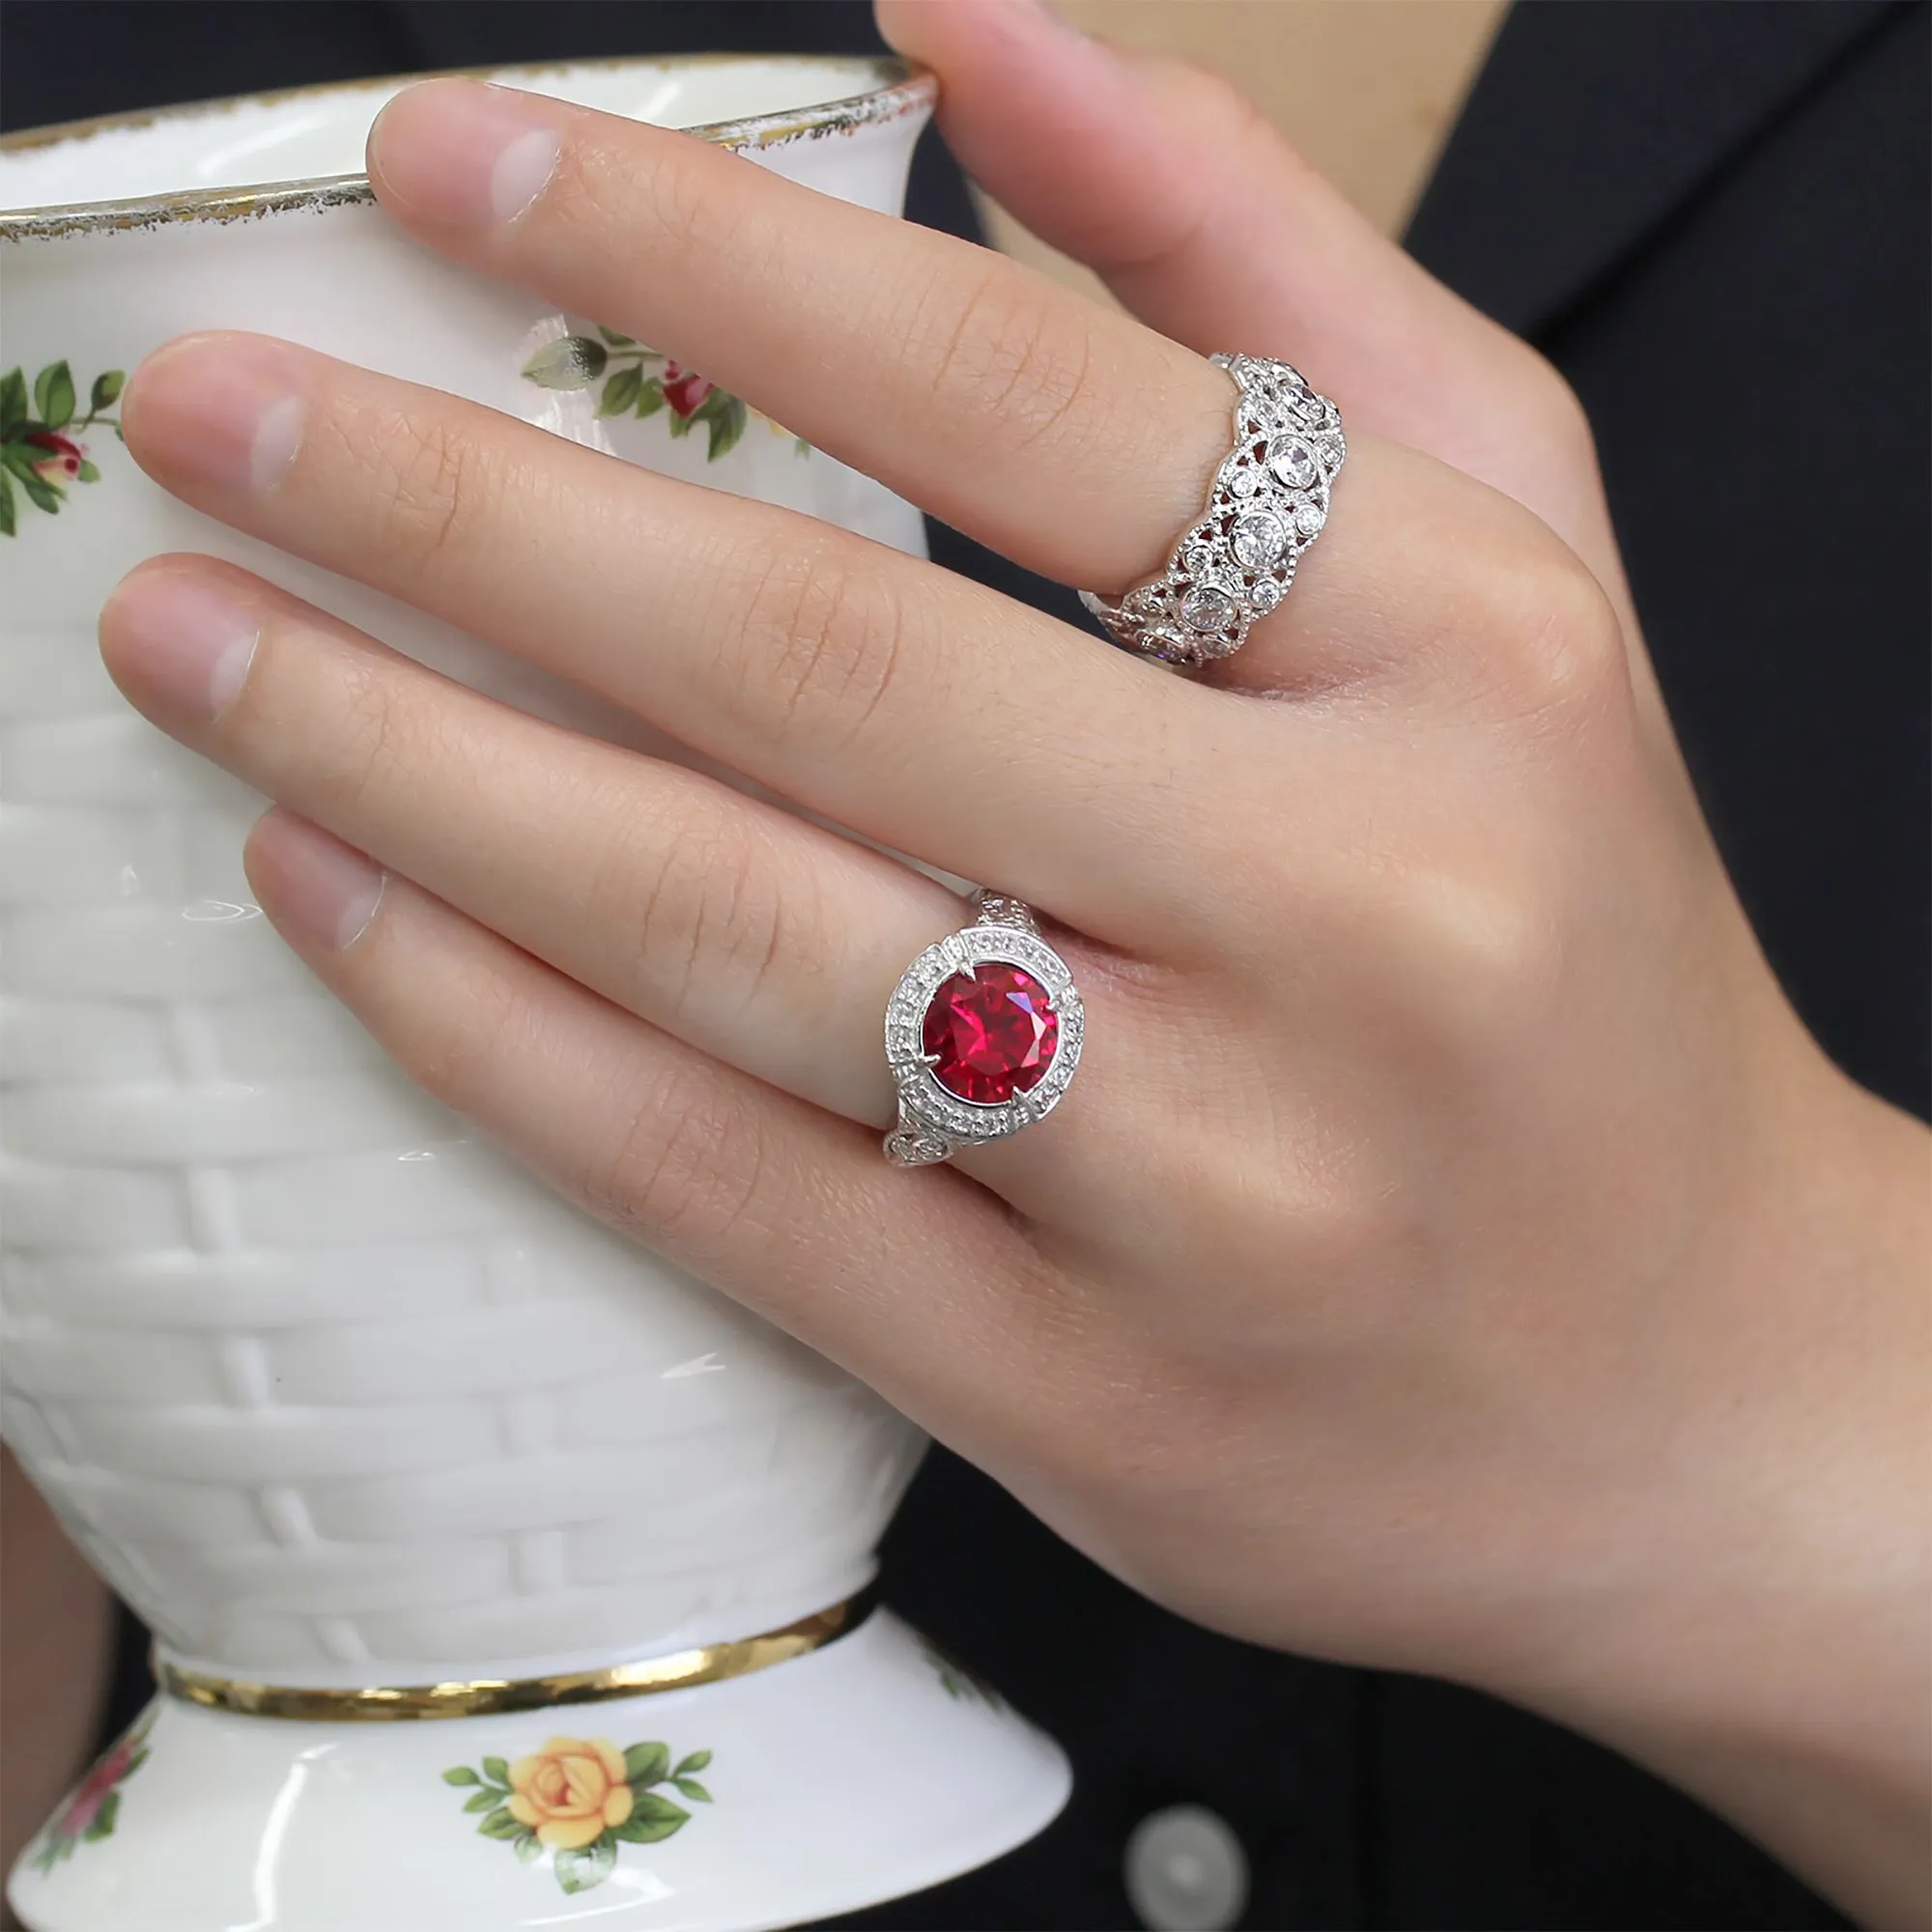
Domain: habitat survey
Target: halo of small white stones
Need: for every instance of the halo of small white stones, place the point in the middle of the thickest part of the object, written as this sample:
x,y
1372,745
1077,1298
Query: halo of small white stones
x,y
1269,502
933,1122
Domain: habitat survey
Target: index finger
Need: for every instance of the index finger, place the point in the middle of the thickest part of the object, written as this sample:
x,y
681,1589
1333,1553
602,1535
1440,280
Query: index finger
x,y
1067,437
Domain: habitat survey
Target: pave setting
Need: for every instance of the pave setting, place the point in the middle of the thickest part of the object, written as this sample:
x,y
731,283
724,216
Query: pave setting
x,y
1268,503
982,1036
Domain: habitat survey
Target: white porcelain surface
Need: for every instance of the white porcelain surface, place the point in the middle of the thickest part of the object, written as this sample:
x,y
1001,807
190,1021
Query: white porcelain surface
x,y
847,1777
318,132
330,1391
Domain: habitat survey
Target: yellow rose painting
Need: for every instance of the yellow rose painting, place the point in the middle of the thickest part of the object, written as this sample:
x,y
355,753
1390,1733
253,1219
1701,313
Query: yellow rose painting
x,y
580,1799
569,1791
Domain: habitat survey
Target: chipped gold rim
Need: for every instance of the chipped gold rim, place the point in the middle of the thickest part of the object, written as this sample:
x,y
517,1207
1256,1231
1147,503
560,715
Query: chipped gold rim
x,y
489,1696
903,89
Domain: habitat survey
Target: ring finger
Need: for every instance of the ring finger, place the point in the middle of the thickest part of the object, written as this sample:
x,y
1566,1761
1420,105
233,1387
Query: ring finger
x,y
743,931
777,1205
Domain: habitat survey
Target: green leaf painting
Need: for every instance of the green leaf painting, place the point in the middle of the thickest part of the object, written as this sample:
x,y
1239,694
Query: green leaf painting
x,y
571,362
620,392
578,1871
91,1808
640,381
13,404
41,455
53,395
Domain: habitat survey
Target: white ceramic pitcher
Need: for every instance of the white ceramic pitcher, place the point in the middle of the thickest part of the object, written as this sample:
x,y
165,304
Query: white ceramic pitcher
x,y
502,1574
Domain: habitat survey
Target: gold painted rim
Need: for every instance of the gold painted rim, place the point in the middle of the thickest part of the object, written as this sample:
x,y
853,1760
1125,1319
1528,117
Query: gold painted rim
x,y
490,1696
903,89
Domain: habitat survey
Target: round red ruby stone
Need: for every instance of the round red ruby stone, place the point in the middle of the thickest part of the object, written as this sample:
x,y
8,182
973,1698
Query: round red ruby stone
x,y
990,1032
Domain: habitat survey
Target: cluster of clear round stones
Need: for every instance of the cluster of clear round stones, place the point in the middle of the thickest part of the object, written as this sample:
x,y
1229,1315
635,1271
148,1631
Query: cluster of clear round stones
x,y
1269,503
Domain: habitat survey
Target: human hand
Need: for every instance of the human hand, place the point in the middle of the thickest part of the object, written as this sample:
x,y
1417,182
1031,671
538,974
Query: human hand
x,y
1445,1256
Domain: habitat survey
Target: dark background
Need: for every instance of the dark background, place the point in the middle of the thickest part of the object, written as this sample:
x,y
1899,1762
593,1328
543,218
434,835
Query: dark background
x,y
1714,220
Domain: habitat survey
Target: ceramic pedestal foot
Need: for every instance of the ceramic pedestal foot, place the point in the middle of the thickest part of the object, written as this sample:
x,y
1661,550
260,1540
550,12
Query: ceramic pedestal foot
x,y
867,1770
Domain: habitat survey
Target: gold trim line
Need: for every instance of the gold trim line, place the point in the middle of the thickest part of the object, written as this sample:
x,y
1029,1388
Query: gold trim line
x,y
898,87
488,1697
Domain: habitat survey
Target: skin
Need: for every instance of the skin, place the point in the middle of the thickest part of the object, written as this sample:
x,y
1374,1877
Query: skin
x,y
1454,1256
56,1634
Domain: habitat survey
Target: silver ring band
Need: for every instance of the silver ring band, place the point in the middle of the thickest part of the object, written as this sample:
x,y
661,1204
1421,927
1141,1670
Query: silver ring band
x,y
1268,503
982,1035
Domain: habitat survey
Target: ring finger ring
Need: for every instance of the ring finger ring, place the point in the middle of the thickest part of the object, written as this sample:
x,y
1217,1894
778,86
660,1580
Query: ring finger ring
x,y
1268,503
982,1033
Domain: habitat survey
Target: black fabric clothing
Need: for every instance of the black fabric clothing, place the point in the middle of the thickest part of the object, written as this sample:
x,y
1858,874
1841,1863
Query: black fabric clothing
x,y
1722,244
1713,218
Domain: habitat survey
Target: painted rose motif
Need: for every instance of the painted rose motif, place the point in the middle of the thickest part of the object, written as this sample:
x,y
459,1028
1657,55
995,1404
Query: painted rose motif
x,y
580,1799
684,389
67,458
40,450
568,1792
642,382
94,1802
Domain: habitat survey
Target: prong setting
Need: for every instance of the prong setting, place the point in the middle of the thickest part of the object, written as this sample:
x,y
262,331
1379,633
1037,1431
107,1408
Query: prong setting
x,y
1270,500
930,1111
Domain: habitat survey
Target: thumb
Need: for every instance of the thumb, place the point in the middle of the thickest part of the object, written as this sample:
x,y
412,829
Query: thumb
x,y
1181,196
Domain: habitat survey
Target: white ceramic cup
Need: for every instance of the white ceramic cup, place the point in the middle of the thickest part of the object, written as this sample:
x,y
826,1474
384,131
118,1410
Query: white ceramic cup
x,y
333,1394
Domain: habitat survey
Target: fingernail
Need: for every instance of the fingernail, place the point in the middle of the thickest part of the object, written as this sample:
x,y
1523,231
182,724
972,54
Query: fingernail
x,y
224,410
318,891
181,639
465,154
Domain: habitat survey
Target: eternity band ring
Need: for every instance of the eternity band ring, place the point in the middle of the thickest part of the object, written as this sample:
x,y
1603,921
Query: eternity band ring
x,y
1268,503
982,1035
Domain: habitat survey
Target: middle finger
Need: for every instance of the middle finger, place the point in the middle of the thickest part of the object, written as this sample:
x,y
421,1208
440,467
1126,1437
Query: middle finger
x,y
740,928
910,705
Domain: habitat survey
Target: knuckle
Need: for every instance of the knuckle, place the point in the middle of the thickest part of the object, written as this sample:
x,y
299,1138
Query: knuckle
x,y
683,1171
744,927
655,901
1483,957
1228,107
1549,648
709,912
1015,356
822,645
1569,658
1310,1193
1554,405
436,486
651,193
1358,1251
370,743
1205,97
1340,1221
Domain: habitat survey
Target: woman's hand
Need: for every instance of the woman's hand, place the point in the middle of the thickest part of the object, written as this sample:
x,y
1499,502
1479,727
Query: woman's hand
x,y
1453,1255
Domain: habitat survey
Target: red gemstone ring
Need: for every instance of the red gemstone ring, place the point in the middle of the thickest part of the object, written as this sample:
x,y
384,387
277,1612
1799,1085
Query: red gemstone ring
x,y
982,1033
